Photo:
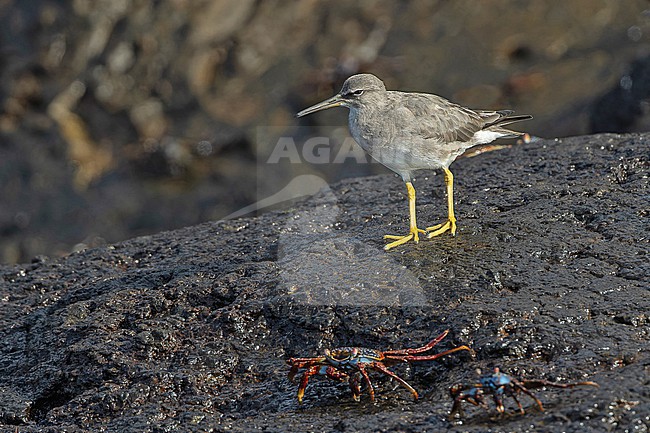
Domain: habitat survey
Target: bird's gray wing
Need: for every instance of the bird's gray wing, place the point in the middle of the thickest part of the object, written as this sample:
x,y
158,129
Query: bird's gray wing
x,y
436,118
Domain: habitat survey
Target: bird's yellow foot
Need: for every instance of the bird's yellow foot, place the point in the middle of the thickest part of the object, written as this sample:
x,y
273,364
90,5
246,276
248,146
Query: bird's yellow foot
x,y
399,240
438,229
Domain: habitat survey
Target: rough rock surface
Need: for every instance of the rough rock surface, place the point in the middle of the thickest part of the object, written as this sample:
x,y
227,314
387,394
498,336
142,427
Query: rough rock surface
x,y
548,277
125,118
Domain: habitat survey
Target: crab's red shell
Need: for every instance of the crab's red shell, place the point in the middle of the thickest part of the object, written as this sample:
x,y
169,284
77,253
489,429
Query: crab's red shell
x,y
351,364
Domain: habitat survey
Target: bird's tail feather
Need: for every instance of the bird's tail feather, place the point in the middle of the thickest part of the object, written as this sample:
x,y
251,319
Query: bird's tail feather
x,y
507,120
505,133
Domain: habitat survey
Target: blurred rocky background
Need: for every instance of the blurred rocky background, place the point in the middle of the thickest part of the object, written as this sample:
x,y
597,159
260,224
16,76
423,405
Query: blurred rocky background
x,y
127,117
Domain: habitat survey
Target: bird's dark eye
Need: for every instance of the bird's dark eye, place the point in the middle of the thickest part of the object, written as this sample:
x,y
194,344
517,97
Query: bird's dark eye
x,y
352,93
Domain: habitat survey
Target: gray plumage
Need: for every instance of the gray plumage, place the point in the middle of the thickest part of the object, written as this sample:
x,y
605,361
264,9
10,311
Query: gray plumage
x,y
411,131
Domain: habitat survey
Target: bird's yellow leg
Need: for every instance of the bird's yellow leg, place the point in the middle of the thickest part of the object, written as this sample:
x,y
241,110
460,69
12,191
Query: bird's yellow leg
x,y
450,224
414,231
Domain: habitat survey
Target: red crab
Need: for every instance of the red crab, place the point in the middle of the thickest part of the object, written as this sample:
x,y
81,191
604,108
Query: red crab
x,y
352,364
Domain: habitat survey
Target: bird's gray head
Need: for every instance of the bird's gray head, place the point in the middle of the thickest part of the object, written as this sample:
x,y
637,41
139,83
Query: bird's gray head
x,y
357,85
356,89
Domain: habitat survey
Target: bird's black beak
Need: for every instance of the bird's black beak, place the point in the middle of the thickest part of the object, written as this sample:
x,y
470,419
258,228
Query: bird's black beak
x,y
334,101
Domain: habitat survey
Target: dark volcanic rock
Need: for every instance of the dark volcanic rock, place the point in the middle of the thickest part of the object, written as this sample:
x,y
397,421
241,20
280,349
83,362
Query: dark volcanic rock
x,y
548,277
125,118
